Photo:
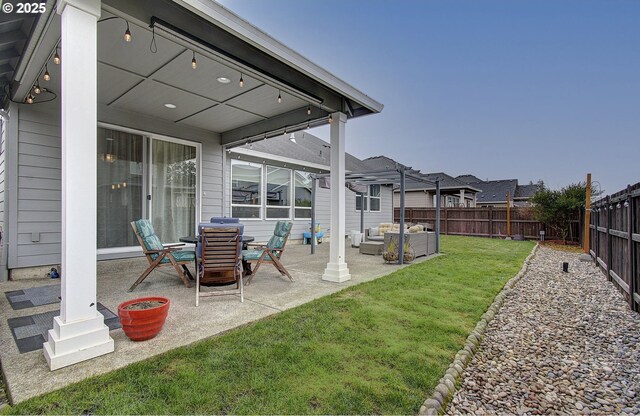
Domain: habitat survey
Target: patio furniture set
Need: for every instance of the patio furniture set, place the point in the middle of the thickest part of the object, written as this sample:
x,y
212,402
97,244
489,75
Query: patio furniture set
x,y
222,255
418,237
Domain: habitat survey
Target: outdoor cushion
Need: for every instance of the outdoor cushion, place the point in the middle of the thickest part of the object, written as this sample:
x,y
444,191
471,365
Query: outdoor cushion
x,y
152,242
276,242
249,255
178,256
145,229
374,231
416,228
282,229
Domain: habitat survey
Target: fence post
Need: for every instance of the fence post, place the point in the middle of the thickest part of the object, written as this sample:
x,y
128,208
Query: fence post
x,y
608,211
630,257
490,221
597,236
446,221
508,215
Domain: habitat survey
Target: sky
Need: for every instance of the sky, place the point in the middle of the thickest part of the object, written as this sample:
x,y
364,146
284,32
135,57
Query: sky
x,y
526,89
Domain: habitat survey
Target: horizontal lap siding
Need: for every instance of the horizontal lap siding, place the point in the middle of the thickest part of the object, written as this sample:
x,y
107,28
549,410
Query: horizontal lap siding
x,y
39,188
3,222
39,177
371,219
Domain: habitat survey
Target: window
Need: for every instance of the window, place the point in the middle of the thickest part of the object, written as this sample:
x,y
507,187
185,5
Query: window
x,y
374,198
371,201
452,201
302,195
246,185
278,192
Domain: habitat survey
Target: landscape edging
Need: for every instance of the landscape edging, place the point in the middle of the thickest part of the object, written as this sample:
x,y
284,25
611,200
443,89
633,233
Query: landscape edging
x,y
446,387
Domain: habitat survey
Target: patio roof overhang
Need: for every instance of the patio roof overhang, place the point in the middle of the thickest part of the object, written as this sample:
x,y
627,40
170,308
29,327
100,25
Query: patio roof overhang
x,y
134,78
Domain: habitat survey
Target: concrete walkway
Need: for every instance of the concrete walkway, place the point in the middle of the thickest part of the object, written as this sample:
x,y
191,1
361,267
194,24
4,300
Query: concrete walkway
x,y
28,375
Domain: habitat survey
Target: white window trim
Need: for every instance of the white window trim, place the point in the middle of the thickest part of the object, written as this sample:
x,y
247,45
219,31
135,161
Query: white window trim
x,y
267,207
260,206
368,198
293,198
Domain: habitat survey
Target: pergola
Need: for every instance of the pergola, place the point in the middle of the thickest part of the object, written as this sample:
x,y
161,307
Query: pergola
x,y
396,176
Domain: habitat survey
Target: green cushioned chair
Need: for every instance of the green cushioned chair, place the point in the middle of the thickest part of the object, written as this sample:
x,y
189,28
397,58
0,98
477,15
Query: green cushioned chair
x,y
160,255
271,252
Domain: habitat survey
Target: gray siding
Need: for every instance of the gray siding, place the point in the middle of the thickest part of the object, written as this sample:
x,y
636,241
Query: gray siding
x,y
3,225
414,199
38,178
371,219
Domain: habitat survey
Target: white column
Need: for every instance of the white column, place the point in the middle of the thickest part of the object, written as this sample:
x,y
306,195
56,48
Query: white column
x,y
463,204
79,333
337,270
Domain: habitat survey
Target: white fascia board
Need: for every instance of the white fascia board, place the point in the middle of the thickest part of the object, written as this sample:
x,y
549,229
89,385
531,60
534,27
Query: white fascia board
x,y
283,159
234,24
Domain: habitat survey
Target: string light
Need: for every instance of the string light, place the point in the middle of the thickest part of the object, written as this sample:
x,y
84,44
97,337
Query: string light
x,y
309,109
279,97
194,64
127,33
56,57
626,203
46,75
29,99
241,81
37,88
330,118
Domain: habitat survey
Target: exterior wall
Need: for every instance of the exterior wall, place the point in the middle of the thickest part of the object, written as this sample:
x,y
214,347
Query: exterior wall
x,y
371,219
421,199
3,211
35,223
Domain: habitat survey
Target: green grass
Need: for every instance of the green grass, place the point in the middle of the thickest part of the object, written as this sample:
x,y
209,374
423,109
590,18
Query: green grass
x,y
378,347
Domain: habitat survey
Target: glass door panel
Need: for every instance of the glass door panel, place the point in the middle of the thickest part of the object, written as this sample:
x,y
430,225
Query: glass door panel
x,y
173,189
120,187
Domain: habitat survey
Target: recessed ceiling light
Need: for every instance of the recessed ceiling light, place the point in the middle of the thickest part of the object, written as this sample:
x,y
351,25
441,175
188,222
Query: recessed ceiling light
x,y
169,105
224,80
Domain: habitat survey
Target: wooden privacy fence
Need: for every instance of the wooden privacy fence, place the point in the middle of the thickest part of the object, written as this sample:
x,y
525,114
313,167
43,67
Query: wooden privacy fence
x,y
615,239
486,222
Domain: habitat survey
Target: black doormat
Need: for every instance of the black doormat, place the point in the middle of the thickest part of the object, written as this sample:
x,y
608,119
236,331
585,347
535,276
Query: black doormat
x,y
30,332
34,296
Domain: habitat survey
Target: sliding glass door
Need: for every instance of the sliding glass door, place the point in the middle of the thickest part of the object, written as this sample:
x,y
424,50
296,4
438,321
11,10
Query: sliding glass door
x,y
173,189
120,187
140,176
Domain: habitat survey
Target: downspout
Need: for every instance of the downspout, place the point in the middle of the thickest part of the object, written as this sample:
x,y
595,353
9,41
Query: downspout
x,y
401,231
224,181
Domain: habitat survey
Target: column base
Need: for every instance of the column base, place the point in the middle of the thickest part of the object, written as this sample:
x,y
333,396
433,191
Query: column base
x,y
73,342
336,272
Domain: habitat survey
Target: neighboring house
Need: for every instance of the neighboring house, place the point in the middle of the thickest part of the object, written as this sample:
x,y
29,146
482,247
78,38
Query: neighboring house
x,y
453,193
494,193
271,180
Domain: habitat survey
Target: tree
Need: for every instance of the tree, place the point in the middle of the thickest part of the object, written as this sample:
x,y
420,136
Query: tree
x,y
555,208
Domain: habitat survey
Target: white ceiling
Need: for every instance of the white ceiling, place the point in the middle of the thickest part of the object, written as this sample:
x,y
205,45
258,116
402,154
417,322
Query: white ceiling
x,y
133,78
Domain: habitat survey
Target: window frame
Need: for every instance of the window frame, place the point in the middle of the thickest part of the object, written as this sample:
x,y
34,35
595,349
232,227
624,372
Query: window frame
x,y
265,192
295,207
367,199
261,190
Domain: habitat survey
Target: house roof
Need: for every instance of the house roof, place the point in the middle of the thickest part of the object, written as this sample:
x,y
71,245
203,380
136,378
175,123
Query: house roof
x,y
526,191
307,149
381,163
468,178
495,191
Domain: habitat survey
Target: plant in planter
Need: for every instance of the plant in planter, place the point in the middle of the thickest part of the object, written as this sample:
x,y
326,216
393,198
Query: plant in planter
x,y
392,253
143,318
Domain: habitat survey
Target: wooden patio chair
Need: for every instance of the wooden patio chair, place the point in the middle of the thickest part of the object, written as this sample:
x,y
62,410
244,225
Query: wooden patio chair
x,y
160,255
271,252
221,253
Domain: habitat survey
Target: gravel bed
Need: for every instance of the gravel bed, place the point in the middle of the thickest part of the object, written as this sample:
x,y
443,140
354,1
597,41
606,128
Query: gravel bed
x,y
562,343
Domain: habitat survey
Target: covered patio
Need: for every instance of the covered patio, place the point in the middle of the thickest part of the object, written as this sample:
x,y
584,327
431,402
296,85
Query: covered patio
x,y
185,74
269,293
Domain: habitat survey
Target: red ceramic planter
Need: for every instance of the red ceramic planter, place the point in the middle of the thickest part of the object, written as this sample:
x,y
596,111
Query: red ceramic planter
x,y
143,324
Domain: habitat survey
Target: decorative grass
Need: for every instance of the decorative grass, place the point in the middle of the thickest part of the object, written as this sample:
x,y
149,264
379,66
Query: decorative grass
x,y
378,347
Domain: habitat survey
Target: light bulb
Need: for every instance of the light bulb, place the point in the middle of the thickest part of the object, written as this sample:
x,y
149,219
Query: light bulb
x,y
30,99
309,110
37,89
330,118
127,34
194,64
279,98
46,75
241,81
56,58
124,184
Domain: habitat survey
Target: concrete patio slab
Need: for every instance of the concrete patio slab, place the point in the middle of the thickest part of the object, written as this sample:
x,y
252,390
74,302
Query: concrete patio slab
x,y
28,375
